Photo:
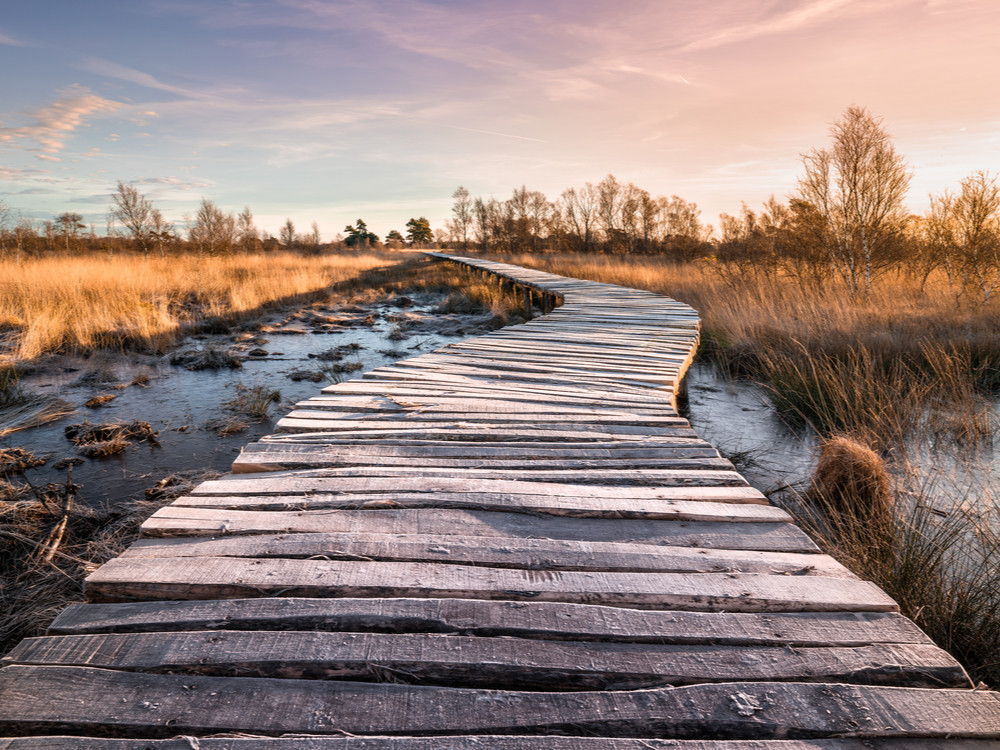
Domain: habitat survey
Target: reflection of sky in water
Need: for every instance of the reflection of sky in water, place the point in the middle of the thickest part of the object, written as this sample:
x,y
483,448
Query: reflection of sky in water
x,y
177,398
736,418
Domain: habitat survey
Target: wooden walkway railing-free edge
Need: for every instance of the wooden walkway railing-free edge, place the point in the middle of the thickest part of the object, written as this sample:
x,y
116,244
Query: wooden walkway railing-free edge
x,y
513,542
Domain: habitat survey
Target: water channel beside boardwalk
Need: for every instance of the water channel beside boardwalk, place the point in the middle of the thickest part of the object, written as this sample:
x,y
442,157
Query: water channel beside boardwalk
x,y
290,353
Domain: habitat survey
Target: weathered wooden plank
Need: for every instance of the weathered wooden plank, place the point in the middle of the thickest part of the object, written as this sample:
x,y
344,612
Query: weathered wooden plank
x,y
499,389
522,354
526,404
224,577
605,478
487,406
259,457
568,448
529,369
670,426
91,700
696,509
178,520
453,448
467,481
470,375
552,388
481,742
532,554
664,350
486,618
420,417
468,661
472,431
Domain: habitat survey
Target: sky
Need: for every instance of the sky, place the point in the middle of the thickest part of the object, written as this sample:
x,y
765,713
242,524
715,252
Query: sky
x,y
334,110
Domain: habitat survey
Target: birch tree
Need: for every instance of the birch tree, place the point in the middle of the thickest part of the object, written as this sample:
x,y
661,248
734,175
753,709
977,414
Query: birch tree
x,y
858,186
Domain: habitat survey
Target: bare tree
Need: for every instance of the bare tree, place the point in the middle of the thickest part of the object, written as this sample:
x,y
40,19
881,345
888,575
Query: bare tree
x,y
485,217
610,196
70,225
134,212
580,208
858,187
161,231
246,231
539,213
287,234
212,229
313,237
965,231
462,211
24,233
5,214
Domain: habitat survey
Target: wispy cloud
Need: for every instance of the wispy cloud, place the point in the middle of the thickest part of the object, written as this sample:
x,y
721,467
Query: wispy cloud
x,y
50,126
120,72
18,174
10,41
493,132
779,23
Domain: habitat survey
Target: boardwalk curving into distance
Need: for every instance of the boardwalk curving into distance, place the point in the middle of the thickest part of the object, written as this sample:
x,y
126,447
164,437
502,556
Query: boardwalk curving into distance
x,y
512,543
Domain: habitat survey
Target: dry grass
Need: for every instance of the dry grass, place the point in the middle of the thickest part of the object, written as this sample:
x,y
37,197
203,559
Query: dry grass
x,y
852,480
80,304
905,363
21,409
47,549
253,401
939,565
101,440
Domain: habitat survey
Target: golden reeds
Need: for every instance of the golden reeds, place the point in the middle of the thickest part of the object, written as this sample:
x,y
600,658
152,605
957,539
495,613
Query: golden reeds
x,y
79,304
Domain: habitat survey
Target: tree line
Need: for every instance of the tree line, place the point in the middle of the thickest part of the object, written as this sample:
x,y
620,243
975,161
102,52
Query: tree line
x,y
135,224
846,221
611,217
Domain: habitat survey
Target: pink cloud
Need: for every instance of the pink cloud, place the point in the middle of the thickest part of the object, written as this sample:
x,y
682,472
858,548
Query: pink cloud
x,y
51,125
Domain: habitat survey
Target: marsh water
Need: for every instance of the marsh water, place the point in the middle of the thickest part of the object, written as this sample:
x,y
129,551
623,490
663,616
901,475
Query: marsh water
x,y
735,416
294,354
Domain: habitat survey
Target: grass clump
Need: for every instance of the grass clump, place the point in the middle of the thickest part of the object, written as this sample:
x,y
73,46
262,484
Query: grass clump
x,y
253,401
209,358
17,460
941,566
21,409
101,440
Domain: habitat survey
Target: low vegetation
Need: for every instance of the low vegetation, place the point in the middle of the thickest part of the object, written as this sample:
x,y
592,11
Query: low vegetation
x,y
20,408
49,544
940,565
90,302
109,439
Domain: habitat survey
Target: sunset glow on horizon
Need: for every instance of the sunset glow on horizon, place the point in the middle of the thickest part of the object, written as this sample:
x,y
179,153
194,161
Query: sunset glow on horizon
x,y
331,110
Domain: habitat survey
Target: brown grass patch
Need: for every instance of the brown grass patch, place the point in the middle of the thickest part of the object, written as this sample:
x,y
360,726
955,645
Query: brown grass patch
x,y
81,304
851,479
100,440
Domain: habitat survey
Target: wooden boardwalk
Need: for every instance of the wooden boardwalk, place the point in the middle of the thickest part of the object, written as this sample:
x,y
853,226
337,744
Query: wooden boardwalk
x,y
512,543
